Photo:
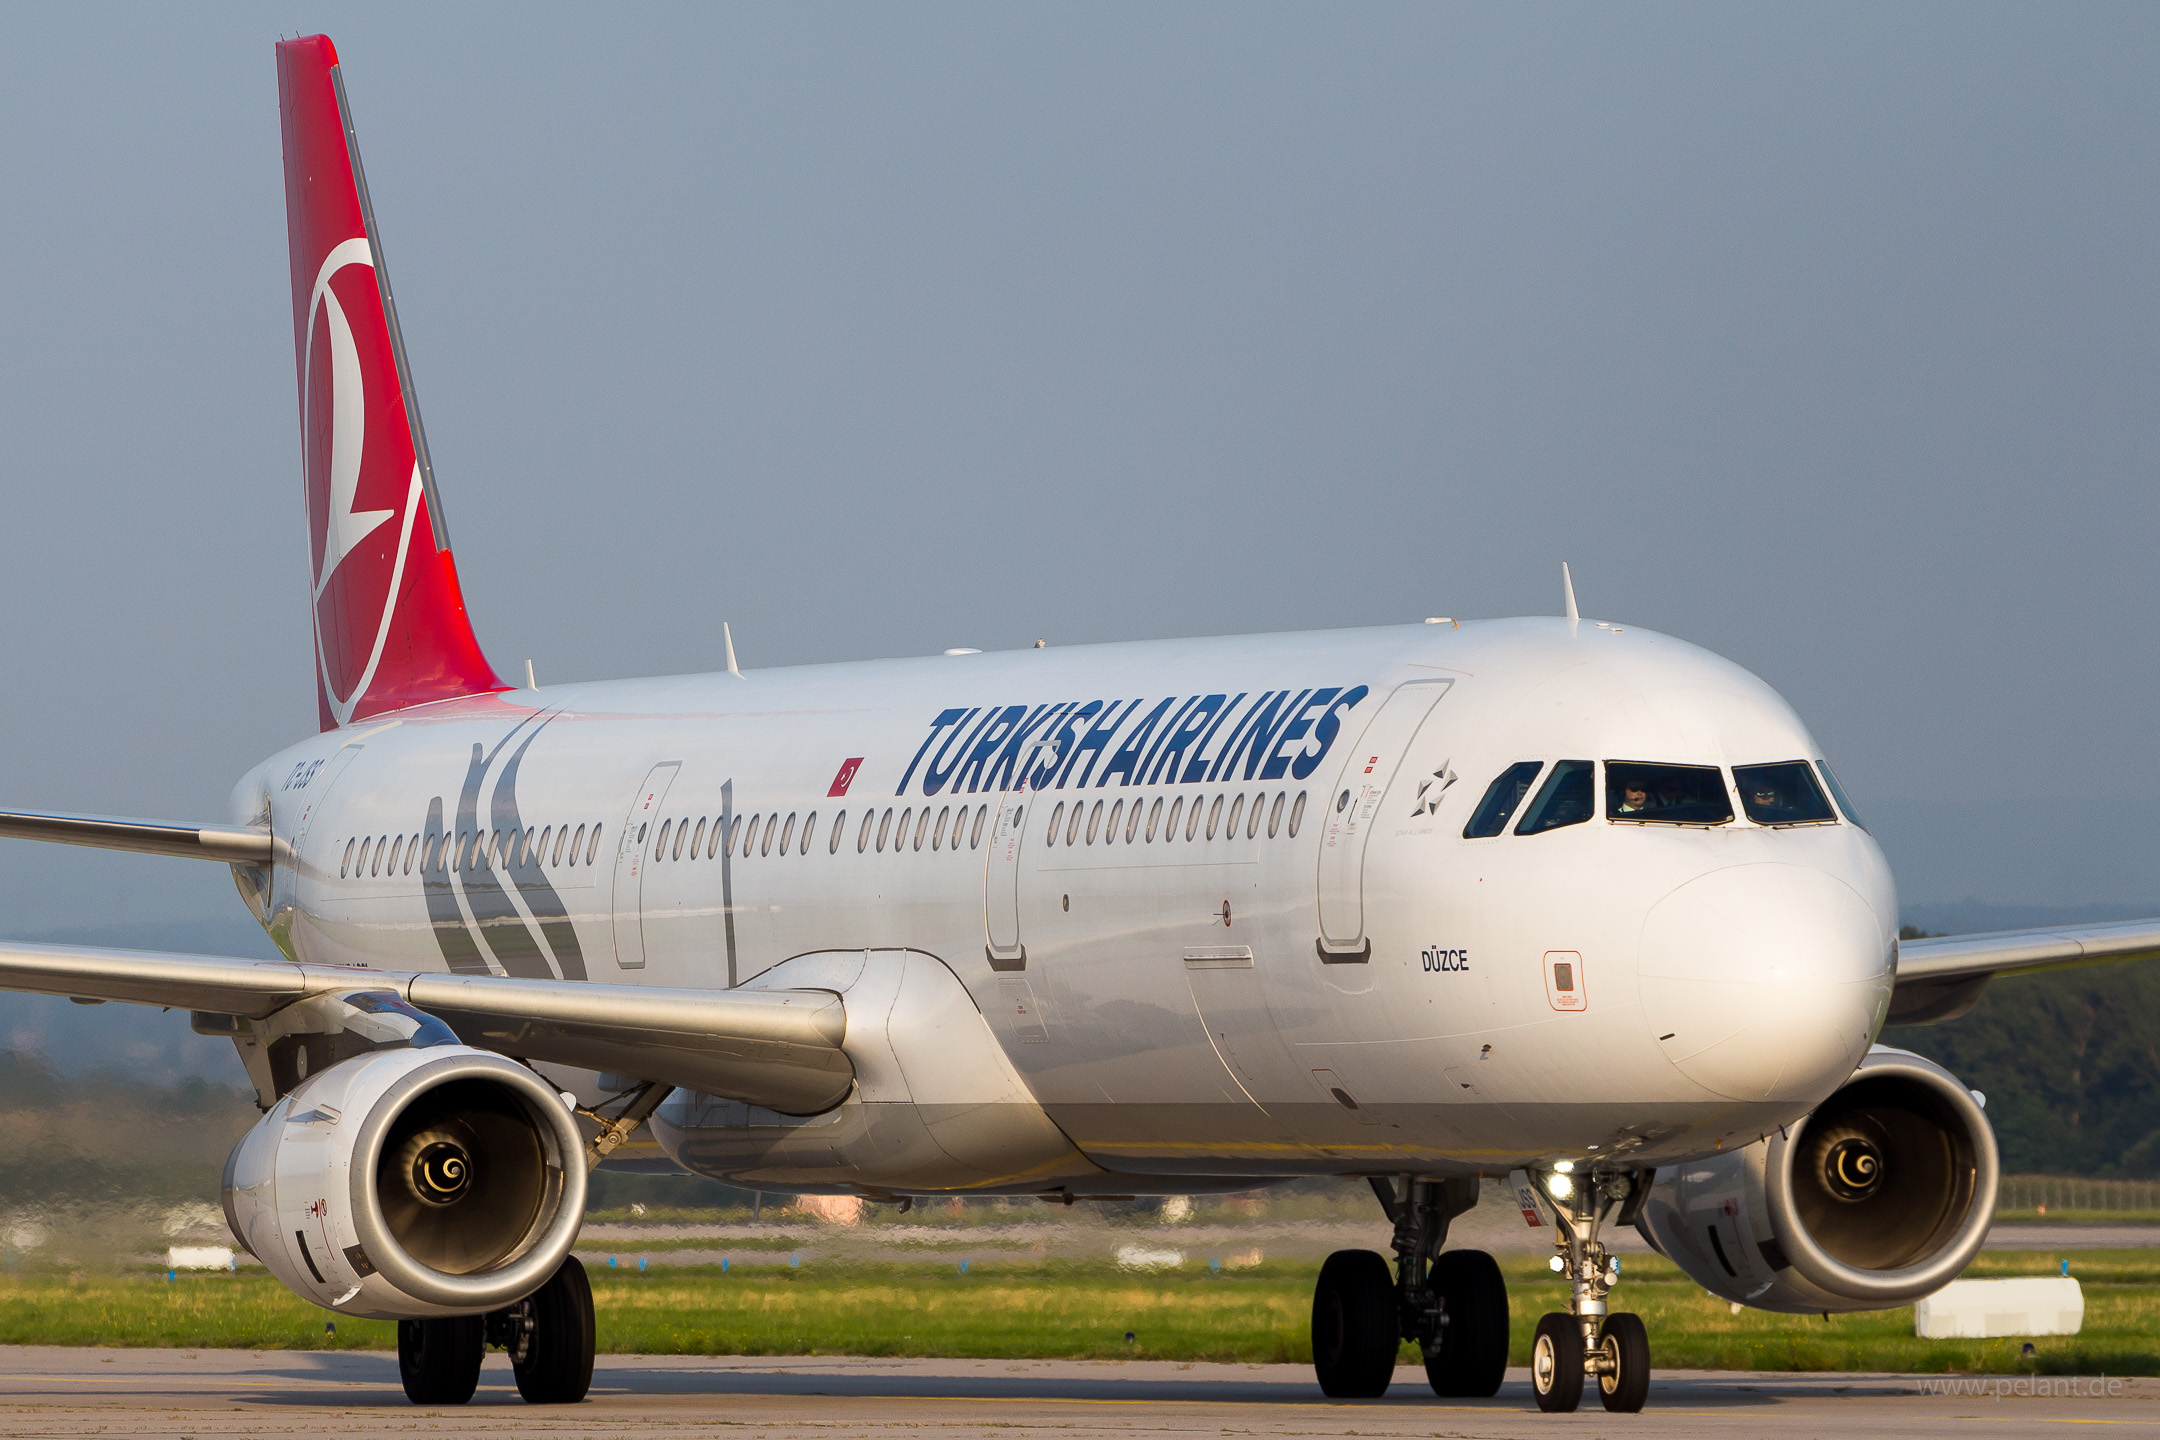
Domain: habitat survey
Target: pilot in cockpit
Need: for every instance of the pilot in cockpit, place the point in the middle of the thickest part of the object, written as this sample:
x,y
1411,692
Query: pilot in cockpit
x,y
1634,800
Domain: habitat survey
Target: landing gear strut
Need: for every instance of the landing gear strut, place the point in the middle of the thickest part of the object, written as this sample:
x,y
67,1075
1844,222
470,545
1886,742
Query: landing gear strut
x,y
1585,1342
1453,1306
549,1335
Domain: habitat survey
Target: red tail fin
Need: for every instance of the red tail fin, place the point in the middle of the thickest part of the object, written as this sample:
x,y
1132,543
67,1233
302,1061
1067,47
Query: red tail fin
x,y
390,623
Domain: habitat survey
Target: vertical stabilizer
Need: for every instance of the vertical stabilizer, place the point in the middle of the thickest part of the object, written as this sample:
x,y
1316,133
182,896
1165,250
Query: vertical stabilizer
x,y
390,622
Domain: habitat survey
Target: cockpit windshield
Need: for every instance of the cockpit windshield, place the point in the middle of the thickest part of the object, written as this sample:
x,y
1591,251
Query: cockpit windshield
x,y
1666,794
1782,794
1564,799
1501,798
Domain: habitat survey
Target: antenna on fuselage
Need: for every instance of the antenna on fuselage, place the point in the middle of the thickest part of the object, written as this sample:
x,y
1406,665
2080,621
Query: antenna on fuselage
x,y
727,638
1567,584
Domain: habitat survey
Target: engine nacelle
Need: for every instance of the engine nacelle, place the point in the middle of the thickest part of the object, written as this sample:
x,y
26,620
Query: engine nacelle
x,y
411,1183
1880,1196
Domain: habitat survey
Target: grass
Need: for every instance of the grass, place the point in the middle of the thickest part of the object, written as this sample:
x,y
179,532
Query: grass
x,y
1016,1309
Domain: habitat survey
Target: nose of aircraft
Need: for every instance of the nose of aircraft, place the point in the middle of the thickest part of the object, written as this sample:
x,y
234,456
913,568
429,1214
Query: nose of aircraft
x,y
1765,982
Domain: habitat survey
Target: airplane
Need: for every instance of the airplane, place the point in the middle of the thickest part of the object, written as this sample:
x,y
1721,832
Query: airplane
x,y
1558,901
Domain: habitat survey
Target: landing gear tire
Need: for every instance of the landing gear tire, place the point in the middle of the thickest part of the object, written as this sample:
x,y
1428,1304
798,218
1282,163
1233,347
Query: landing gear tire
x,y
1624,1378
1472,1358
1355,1330
551,1344
438,1361
1556,1363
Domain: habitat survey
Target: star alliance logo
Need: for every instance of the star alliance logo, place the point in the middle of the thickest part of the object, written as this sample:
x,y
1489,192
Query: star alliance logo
x,y
1430,791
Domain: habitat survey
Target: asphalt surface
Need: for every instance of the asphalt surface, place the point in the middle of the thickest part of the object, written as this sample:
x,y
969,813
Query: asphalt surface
x,y
203,1393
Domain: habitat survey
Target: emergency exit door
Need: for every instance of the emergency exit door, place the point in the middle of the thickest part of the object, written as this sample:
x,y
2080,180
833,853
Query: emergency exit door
x,y
1001,884
633,852
1355,808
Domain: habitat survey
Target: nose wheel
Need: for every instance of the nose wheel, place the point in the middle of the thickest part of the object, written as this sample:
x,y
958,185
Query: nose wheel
x,y
1587,1343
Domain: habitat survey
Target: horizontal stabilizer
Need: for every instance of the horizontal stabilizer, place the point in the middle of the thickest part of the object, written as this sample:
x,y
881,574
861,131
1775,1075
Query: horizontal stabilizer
x,y
779,1049
229,843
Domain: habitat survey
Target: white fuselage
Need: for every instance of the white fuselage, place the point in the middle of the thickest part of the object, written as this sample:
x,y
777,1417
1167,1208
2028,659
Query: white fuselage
x,y
1319,974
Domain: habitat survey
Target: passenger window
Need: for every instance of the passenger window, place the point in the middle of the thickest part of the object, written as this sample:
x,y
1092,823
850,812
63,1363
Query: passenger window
x,y
862,841
1214,813
1666,794
1274,815
1072,826
366,844
1297,813
697,841
899,839
1501,798
772,823
1154,814
526,850
434,849
1564,799
1237,808
547,833
1094,819
839,832
1252,821
345,869
982,813
397,848
884,829
1783,794
937,836
682,833
593,848
922,827
1844,802
1132,825
749,839
659,848
577,841
1057,822
1109,834
787,833
809,826
1169,829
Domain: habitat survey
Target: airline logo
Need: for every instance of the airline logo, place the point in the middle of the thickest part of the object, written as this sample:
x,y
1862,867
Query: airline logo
x,y
1180,740
363,479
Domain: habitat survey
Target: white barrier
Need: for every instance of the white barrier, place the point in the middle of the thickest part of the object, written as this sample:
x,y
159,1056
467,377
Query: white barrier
x,y
199,1257
1980,1309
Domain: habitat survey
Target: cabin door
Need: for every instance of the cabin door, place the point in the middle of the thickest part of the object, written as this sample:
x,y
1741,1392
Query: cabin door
x,y
1354,809
633,852
1001,883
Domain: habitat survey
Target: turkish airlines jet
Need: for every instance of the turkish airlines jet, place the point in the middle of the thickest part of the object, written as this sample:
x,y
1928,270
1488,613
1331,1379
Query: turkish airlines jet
x,y
1556,900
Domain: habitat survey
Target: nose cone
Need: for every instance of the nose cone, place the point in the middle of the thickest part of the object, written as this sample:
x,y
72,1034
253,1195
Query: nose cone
x,y
1765,982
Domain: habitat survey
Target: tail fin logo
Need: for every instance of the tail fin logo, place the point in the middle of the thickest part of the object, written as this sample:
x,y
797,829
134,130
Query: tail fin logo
x,y
338,434
389,616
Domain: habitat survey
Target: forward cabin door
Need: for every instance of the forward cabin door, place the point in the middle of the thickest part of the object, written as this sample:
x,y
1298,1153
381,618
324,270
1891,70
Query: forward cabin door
x,y
1001,883
1354,809
633,852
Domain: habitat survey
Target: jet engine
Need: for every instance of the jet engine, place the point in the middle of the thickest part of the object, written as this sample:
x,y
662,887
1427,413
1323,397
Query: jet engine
x,y
411,1182
1880,1196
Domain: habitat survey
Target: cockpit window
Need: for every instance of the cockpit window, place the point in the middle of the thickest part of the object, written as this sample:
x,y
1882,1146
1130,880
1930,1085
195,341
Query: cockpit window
x,y
1784,794
1501,798
1838,790
1564,799
1666,794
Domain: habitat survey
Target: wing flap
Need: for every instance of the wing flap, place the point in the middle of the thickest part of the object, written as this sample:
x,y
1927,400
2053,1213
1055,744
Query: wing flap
x,y
779,1049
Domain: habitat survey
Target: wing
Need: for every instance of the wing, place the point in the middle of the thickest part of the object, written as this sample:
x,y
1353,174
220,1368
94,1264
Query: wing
x,y
779,1049
230,843
1940,978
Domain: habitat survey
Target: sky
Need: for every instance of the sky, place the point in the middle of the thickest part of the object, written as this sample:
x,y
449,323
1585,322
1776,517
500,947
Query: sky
x,y
1822,336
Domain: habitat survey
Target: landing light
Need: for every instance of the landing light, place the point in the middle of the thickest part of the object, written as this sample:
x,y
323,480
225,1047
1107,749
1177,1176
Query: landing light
x,y
1564,1167
1560,1186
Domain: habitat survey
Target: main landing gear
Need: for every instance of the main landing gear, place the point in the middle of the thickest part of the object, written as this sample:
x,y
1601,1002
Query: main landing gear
x,y
1453,1305
1586,1343
549,1335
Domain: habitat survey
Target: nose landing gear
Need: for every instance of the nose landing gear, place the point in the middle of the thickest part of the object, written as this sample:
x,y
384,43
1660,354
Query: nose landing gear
x,y
1453,1305
1586,1342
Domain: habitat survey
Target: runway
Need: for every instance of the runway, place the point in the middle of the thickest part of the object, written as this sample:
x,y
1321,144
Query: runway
x,y
205,1393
